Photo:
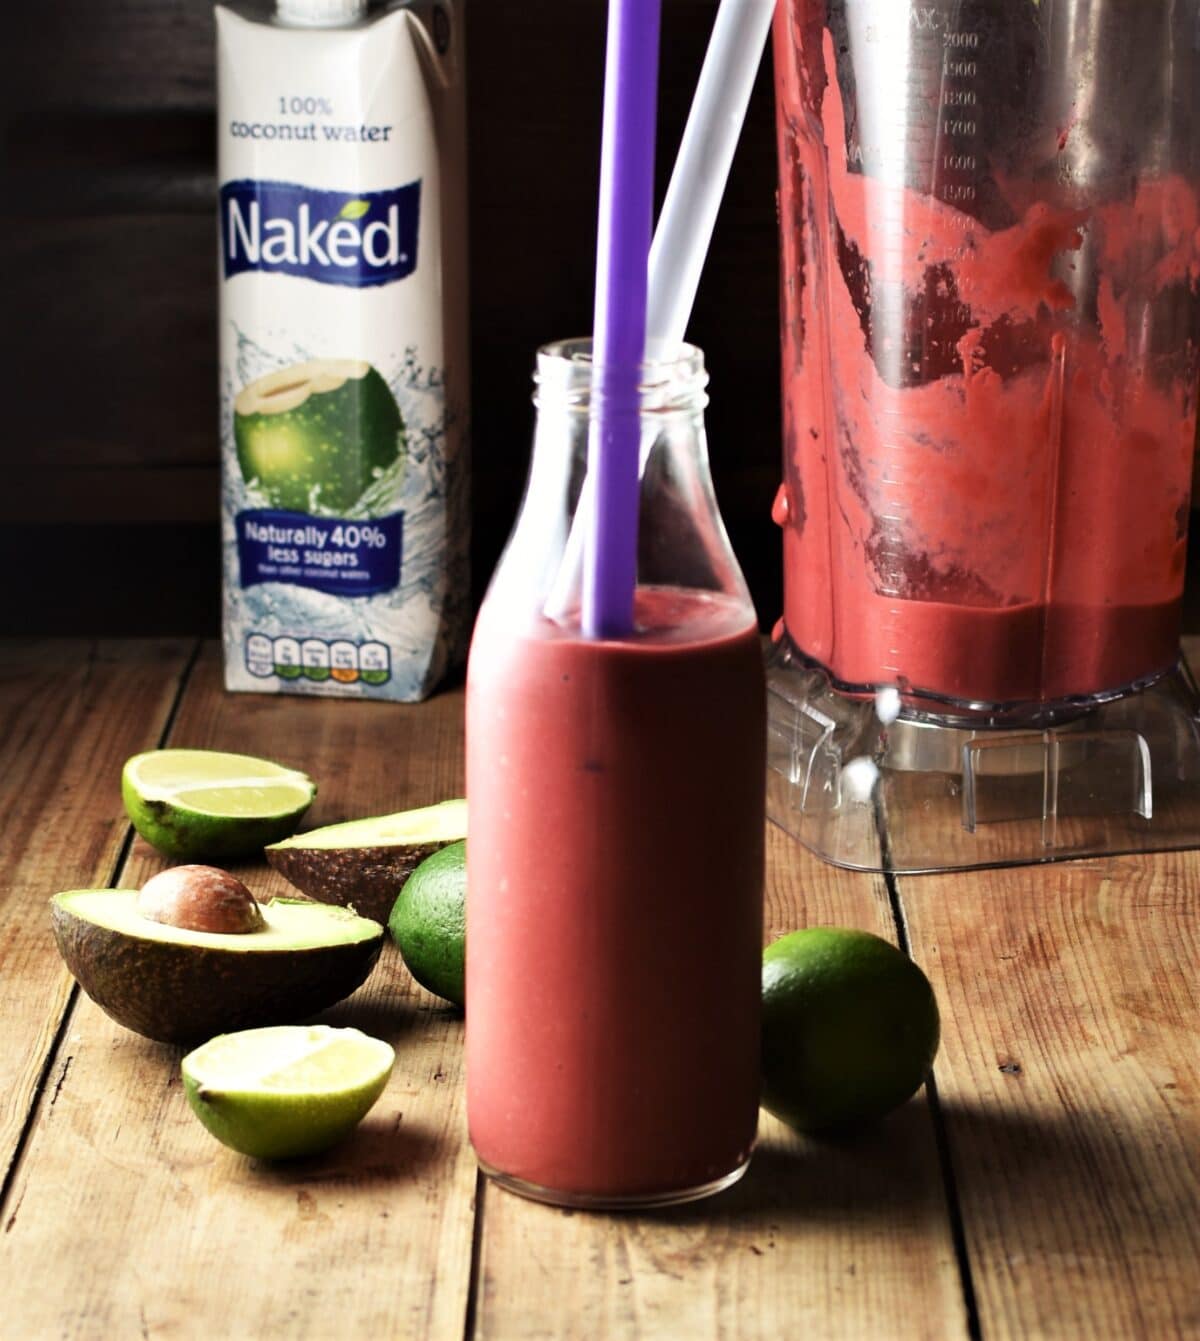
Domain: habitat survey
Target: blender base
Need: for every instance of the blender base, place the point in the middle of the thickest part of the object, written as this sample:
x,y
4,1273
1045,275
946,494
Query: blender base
x,y
876,783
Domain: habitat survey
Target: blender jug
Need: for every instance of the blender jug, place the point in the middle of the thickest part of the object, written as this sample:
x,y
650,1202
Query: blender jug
x,y
990,229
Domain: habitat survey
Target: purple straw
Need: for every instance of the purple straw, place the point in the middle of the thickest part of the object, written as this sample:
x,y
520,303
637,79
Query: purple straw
x,y
619,332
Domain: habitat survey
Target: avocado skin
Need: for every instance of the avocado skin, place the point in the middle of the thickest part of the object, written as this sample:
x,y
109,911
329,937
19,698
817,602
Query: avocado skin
x,y
188,993
368,878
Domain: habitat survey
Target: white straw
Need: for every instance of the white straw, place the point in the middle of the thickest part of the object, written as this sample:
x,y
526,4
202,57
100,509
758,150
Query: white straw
x,y
689,214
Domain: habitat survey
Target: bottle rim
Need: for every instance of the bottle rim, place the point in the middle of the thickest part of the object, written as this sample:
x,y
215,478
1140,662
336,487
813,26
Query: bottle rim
x,y
320,13
672,378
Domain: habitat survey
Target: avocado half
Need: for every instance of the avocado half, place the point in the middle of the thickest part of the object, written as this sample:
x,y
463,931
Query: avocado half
x,y
182,986
365,862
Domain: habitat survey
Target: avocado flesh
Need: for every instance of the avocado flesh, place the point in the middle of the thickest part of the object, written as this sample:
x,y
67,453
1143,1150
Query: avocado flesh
x,y
364,863
181,986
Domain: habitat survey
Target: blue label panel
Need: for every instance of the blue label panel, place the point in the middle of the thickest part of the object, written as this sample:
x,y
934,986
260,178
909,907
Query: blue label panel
x,y
330,554
354,238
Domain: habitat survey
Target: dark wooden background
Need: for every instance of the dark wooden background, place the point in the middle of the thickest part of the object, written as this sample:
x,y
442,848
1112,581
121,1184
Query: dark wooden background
x,y
108,449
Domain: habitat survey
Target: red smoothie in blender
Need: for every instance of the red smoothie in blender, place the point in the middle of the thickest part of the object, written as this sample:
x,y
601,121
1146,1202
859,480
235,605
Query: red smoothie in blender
x,y
989,373
615,867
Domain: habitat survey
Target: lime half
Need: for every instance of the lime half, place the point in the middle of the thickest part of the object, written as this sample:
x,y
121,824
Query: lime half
x,y
286,1091
204,804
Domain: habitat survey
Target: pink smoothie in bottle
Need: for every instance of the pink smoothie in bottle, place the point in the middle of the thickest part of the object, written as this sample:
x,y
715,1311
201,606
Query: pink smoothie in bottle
x,y
615,867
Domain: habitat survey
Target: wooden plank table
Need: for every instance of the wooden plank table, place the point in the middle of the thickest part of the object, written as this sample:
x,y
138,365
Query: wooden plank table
x,y
1047,1184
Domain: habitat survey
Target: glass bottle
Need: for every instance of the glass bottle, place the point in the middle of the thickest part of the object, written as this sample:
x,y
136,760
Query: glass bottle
x,y
615,860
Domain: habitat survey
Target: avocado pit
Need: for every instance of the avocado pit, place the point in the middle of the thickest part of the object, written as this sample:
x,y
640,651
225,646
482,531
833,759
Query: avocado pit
x,y
200,898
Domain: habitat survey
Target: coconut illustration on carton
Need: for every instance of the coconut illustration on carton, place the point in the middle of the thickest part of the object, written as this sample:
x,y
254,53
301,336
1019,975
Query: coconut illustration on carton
x,y
312,437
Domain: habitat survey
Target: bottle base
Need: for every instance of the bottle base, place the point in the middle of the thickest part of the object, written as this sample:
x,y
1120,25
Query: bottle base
x,y
606,1201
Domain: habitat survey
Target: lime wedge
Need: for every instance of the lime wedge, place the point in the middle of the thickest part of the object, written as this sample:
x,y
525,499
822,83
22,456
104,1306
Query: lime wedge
x,y
286,1091
204,804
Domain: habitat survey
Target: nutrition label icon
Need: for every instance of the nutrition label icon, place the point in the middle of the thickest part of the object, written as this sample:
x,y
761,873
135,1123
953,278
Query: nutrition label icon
x,y
374,663
314,657
343,657
287,658
258,655
317,660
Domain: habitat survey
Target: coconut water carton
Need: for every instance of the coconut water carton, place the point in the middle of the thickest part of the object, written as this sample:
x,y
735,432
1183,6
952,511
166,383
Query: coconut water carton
x,y
341,170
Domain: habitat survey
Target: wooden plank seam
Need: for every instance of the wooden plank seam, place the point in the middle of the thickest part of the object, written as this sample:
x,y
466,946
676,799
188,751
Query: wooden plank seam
x,y
54,1051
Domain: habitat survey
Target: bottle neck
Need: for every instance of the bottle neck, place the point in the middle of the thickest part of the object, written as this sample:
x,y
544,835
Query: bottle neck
x,y
680,539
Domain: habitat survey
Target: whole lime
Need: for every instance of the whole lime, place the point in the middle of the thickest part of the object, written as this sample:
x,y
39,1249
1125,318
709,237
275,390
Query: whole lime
x,y
429,922
850,1028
